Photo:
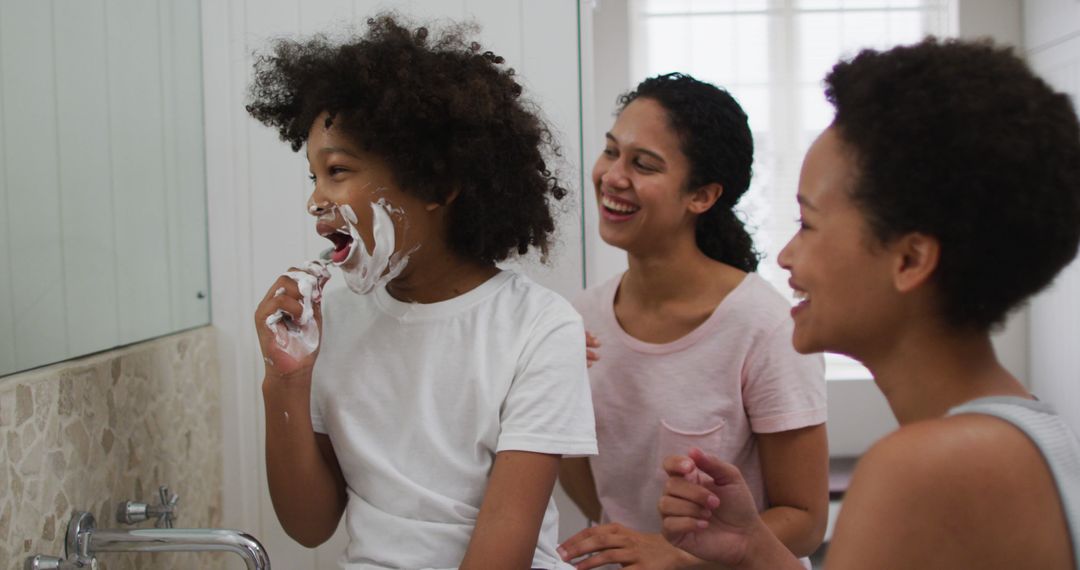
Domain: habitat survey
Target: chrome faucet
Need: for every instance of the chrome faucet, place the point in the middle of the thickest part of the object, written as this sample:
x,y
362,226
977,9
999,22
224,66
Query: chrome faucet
x,y
85,541
130,512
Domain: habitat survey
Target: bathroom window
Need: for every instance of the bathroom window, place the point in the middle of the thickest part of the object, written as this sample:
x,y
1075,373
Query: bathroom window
x,y
772,56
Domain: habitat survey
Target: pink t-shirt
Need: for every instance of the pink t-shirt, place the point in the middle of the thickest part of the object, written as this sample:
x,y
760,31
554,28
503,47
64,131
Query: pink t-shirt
x,y
735,375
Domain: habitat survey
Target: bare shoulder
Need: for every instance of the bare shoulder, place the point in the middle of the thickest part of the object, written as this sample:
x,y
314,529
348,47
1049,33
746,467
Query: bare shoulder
x,y
961,491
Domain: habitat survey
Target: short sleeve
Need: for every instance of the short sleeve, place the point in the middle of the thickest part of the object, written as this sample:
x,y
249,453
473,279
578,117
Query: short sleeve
x,y
548,408
782,389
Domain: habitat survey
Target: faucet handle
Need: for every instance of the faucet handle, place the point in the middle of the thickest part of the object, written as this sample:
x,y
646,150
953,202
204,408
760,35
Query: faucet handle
x,y
131,512
166,511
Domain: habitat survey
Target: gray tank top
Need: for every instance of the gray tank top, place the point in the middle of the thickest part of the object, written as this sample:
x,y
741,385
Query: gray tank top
x,y
1057,443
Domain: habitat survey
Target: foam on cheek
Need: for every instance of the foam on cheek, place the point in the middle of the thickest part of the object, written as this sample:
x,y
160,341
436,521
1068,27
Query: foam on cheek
x,y
300,338
363,271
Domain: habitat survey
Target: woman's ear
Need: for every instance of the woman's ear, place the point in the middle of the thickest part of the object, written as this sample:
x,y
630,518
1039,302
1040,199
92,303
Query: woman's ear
x,y
917,257
704,197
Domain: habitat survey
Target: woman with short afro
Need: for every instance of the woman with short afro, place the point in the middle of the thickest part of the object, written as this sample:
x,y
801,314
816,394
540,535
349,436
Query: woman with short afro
x,y
431,400
943,195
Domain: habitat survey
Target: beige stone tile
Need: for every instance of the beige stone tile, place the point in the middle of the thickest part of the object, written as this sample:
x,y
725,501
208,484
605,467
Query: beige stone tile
x,y
24,403
110,428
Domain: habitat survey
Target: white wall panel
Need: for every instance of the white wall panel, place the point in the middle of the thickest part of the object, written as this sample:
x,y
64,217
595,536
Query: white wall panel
x,y
1055,314
85,176
501,29
550,73
186,167
7,299
33,208
136,126
1047,22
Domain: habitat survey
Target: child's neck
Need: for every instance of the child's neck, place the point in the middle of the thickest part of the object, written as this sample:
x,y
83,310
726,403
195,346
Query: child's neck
x,y
438,278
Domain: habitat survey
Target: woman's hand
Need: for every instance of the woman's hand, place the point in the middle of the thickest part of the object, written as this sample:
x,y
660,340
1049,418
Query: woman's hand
x,y
708,510
616,544
591,342
288,320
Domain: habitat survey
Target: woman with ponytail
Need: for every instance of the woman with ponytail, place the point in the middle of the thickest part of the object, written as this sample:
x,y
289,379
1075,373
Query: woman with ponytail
x,y
689,347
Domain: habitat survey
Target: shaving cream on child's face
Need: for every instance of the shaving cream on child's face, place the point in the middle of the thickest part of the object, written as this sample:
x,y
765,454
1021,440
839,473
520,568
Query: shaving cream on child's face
x,y
300,338
366,271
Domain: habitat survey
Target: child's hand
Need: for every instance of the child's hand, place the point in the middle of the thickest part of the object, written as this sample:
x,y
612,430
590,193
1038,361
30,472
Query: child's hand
x,y
616,544
591,356
288,321
707,509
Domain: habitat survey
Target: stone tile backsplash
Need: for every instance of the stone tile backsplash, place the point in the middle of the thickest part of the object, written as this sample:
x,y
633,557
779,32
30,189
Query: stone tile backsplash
x,y
89,433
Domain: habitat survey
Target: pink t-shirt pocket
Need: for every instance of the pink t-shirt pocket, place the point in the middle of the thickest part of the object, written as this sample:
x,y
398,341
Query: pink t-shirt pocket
x,y
674,440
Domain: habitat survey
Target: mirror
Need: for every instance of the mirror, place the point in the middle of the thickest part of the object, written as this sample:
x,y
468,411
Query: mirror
x,y
102,176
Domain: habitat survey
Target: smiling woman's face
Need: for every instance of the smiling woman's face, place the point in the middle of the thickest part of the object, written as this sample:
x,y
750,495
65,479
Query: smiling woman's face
x,y
639,179
356,200
838,270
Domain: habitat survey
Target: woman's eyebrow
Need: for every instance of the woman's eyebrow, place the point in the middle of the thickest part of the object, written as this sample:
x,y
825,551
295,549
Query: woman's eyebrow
x,y
655,155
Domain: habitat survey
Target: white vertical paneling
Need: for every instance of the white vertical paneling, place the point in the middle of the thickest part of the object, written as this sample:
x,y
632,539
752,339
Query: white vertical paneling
x,y
364,9
326,16
495,34
190,292
550,72
169,168
1055,314
33,207
137,164
424,10
1055,331
7,299
83,114
1049,21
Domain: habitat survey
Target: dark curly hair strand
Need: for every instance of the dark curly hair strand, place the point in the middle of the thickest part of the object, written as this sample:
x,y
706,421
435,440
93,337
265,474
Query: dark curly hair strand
x,y
446,116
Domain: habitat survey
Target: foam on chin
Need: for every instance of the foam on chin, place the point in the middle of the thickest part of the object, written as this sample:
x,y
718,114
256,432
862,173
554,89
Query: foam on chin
x,y
364,272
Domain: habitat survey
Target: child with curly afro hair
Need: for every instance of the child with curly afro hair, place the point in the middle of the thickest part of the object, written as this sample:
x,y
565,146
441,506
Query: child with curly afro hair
x,y
433,398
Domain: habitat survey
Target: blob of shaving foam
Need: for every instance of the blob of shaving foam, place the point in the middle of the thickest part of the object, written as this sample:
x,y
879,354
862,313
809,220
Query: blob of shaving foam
x,y
372,270
301,338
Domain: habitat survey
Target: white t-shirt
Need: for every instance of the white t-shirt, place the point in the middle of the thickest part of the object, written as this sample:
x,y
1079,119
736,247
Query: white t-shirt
x,y
418,398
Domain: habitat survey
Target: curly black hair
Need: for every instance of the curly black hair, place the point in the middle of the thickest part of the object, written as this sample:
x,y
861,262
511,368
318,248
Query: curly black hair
x,y
714,134
443,113
962,141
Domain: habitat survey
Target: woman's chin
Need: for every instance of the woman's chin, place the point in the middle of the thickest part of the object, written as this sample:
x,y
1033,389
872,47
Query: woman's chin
x,y
613,238
805,343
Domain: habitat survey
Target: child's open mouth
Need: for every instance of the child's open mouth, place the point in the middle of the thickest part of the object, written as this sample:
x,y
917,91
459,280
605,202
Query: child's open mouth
x,y
342,240
342,246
